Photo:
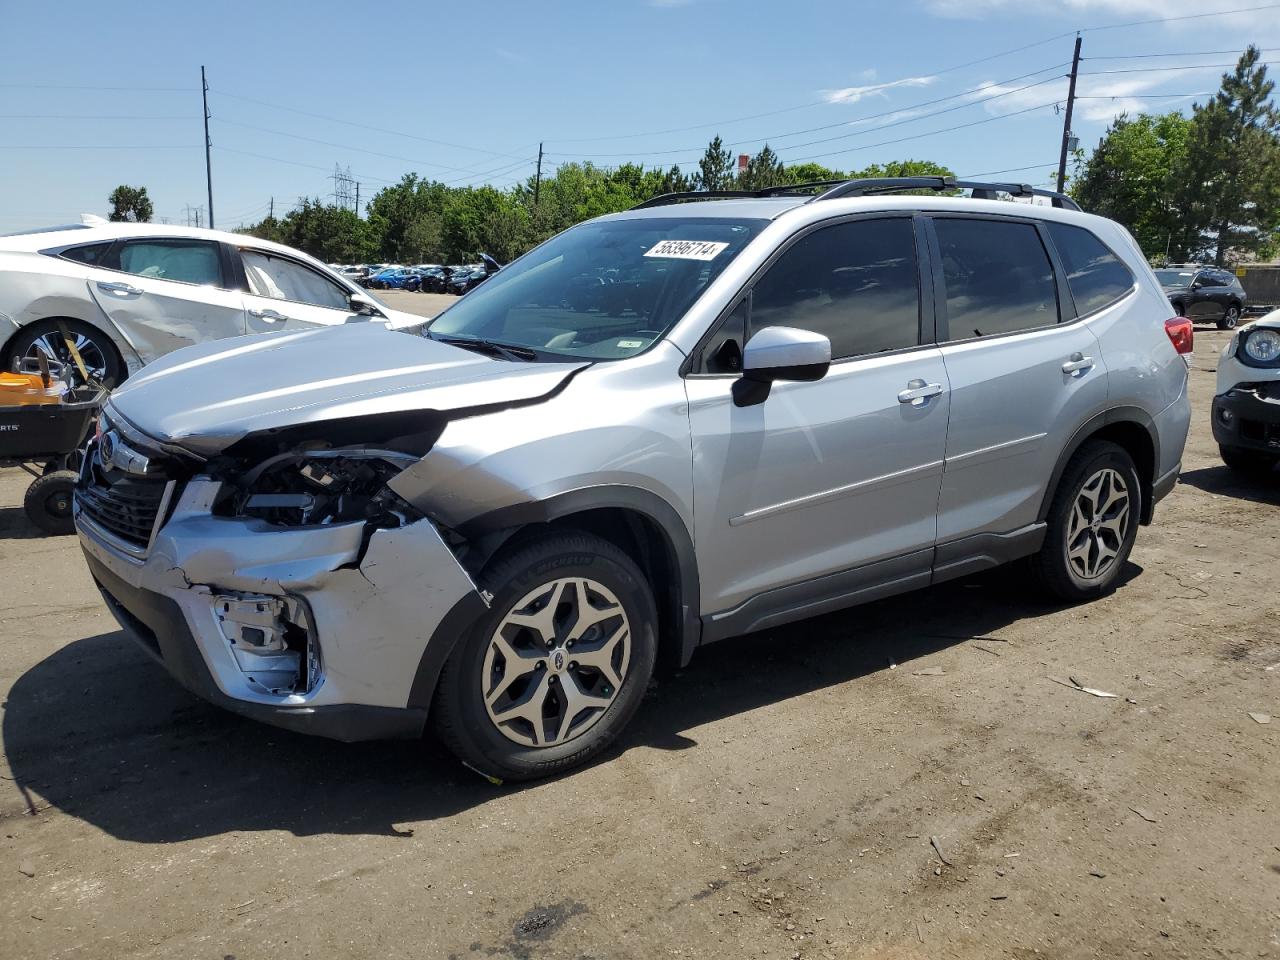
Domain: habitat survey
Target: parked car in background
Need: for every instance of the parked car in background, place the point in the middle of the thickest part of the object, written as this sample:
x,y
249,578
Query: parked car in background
x,y
433,279
1204,294
501,526
1246,403
128,293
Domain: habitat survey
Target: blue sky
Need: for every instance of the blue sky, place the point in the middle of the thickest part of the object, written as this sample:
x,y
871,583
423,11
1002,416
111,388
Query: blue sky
x,y
93,95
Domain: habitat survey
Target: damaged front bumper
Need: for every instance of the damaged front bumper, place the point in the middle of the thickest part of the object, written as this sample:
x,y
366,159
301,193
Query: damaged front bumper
x,y
308,628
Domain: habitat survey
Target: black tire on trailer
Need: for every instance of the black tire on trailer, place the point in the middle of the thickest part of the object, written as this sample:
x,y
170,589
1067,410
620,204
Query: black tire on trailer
x,y
48,502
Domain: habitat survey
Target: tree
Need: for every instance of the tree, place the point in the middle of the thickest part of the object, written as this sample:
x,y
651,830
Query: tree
x,y
130,205
715,169
763,170
1128,178
1228,182
329,233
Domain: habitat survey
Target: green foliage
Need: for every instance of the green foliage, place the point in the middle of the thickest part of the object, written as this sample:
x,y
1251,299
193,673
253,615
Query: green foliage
x,y
130,204
1228,181
418,221
715,169
1129,178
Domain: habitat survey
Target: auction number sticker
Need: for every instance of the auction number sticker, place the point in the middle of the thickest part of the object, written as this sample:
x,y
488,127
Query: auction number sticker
x,y
687,249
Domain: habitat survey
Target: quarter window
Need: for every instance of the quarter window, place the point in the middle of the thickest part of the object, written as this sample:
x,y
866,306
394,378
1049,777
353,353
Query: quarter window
x,y
91,254
855,283
187,261
281,279
1095,274
998,277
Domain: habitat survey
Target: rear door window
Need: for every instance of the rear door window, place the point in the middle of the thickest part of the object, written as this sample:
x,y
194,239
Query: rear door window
x,y
856,283
1095,275
92,253
186,261
998,277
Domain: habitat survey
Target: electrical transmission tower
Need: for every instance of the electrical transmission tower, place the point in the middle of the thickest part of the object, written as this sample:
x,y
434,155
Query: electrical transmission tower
x,y
344,189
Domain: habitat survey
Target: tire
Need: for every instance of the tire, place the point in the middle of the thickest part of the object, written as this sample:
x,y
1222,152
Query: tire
x,y
1231,318
48,502
500,742
1248,462
96,349
1179,310
1095,474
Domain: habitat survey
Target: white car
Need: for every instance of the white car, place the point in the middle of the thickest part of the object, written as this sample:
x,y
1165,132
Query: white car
x,y
128,293
1246,403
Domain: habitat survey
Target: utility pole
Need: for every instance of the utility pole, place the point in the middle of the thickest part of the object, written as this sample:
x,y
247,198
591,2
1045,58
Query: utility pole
x,y
357,198
208,164
537,180
271,210
1066,123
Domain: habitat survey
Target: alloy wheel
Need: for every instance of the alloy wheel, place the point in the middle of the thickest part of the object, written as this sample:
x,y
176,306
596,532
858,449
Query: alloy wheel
x,y
555,662
1232,318
53,347
1098,524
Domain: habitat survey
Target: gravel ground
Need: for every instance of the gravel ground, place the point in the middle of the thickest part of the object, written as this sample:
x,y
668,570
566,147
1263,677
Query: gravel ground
x,y
790,794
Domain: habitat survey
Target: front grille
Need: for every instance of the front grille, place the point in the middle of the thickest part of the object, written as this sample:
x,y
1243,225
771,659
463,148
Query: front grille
x,y
124,506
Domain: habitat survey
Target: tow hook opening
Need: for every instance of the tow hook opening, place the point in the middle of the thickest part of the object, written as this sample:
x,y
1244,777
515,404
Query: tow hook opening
x,y
272,641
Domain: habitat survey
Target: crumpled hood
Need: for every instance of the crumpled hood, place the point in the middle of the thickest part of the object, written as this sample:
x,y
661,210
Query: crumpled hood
x,y
208,396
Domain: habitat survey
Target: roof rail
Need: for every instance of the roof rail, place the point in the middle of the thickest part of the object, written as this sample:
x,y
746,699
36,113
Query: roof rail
x,y
692,195
979,189
867,187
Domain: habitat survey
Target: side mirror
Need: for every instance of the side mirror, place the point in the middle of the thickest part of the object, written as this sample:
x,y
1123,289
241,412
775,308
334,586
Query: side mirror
x,y
1196,284
780,353
362,305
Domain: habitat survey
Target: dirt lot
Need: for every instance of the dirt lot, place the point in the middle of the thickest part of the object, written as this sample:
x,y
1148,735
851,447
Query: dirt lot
x,y
776,799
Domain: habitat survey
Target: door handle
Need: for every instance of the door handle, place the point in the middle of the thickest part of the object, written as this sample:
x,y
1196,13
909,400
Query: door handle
x,y
918,392
271,315
1076,363
119,288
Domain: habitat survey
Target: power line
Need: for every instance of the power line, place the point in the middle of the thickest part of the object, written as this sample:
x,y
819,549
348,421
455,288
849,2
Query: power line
x,y
109,146
875,116
919,136
87,116
1193,66
936,73
347,146
362,126
295,163
991,173
1193,53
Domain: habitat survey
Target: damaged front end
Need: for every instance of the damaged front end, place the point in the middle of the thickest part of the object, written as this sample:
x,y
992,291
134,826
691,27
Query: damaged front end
x,y
303,584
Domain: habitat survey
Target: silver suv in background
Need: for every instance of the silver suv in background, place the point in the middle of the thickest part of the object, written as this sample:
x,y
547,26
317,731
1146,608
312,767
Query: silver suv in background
x,y
659,429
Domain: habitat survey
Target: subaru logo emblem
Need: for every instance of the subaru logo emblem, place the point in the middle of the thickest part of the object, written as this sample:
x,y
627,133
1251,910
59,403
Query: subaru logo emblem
x,y
107,446
557,659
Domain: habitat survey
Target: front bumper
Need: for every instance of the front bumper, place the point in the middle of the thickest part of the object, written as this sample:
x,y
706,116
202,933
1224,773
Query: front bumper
x,y
1248,418
371,613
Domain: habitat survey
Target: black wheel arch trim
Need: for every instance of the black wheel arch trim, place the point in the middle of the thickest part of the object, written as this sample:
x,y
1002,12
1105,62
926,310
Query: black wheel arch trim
x,y
679,543
1124,414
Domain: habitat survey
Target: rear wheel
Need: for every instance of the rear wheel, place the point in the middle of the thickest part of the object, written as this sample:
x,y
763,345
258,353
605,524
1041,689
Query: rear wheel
x,y
1249,462
557,666
1092,523
48,502
101,360
1231,318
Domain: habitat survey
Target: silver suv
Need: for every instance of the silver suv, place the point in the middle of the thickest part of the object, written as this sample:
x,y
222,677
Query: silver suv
x,y
659,429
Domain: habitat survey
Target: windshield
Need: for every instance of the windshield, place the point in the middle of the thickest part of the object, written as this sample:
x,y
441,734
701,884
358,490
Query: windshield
x,y
1174,278
603,290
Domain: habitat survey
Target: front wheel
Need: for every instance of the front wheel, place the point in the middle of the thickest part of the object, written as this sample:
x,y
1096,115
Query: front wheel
x,y
1092,523
1248,462
1230,319
550,675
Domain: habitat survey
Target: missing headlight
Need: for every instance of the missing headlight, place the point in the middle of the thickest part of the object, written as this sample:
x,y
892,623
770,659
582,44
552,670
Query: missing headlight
x,y
326,486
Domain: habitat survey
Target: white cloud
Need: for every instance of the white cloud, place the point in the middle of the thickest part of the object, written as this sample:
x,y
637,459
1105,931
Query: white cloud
x,y
1104,96
854,94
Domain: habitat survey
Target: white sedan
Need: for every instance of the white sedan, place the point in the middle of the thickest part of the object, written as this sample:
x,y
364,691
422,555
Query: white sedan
x,y
127,293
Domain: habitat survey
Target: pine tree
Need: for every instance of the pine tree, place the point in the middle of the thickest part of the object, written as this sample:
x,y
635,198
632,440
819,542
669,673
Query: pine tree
x,y
715,169
1228,185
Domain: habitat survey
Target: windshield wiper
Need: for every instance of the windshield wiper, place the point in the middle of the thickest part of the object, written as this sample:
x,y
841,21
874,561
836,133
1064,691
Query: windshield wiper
x,y
506,351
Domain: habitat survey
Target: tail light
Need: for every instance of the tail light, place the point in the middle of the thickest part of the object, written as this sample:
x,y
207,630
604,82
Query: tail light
x,y
1182,335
